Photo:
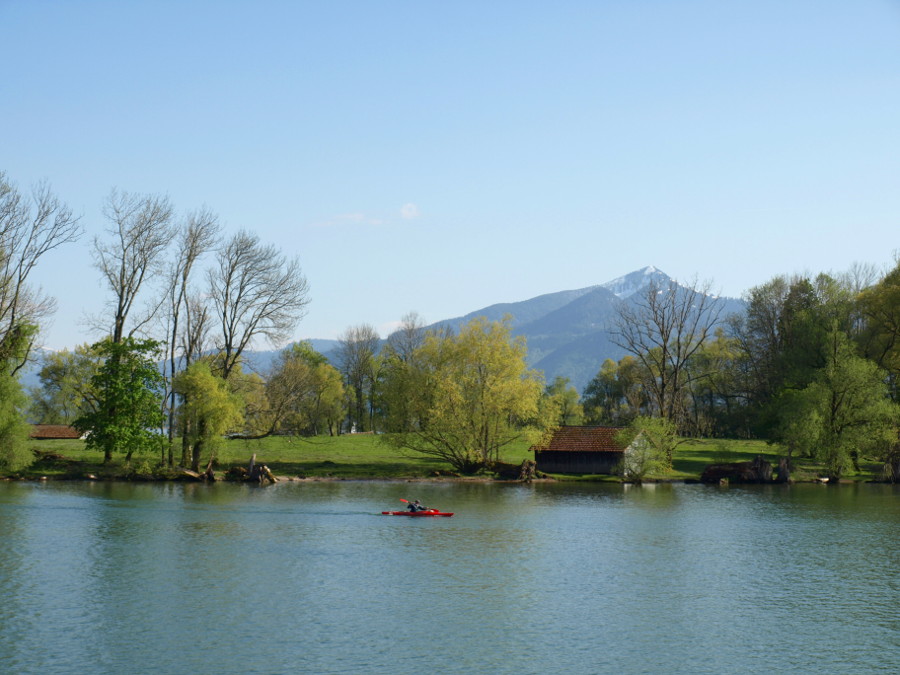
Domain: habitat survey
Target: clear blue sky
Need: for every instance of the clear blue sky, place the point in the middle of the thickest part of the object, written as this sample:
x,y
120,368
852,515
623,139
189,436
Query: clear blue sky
x,y
443,156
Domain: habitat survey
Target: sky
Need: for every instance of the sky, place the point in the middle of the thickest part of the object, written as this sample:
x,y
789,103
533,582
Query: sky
x,y
440,157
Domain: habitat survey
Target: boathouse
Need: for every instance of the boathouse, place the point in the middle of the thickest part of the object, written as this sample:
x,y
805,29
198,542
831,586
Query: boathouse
x,y
585,449
40,432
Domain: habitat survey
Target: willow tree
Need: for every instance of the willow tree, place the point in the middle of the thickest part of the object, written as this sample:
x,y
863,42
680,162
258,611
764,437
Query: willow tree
x,y
210,408
475,396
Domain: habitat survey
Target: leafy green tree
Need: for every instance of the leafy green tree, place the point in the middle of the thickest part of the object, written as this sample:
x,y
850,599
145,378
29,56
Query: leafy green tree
x,y
845,413
66,390
783,340
308,390
652,441
617,393
14,452
564,399
357,355
658,440
716,404
401,372
476,395
880,335
211,408
301,394
602,397
129,391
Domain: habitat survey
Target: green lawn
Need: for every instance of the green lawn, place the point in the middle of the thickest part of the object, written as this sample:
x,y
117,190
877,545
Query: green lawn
x,y
348,456
366,456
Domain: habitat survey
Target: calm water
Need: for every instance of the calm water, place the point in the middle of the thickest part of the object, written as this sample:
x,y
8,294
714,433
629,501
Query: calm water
x,y
306,578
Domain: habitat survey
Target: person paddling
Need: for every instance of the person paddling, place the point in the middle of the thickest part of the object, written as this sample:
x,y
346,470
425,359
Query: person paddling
x,y
416,506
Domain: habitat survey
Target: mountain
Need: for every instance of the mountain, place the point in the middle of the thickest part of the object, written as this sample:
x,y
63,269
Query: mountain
x,y
568,333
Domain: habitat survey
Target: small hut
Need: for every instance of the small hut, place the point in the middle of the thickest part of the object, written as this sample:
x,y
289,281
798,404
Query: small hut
x,y
583,449
44,432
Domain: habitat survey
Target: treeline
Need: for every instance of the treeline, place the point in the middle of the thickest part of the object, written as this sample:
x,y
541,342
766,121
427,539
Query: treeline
x,y
812,365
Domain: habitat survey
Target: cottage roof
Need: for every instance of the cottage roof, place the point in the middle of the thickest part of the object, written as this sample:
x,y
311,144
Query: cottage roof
x,y
46,431
583,439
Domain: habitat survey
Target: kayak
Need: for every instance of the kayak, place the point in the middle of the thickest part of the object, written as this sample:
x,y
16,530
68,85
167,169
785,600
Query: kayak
x,y
429,512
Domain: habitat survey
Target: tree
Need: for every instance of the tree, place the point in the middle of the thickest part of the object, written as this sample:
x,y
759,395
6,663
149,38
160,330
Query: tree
x,y
14,452
255,291
129,386
404,341
196,236
715,401
844,413
564,400
66,390
655,440
880,335
650,442
663,329
140,230
305,391
782,340
300,394
399,373
210,407
477,396
29,229
356,353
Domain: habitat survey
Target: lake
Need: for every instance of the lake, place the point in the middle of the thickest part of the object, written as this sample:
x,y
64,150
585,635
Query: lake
x,y
307,577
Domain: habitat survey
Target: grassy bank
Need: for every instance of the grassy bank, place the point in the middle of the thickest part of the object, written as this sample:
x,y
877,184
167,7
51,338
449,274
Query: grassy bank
x,y
363,456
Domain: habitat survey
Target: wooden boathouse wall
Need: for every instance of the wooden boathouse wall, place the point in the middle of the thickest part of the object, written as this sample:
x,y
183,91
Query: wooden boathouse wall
x,y
580,449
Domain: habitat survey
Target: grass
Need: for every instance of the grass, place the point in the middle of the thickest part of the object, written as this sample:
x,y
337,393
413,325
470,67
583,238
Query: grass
x,y
357,456
365,456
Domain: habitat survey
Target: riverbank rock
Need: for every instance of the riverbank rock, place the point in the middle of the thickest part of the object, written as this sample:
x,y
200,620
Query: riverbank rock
x,y
756,471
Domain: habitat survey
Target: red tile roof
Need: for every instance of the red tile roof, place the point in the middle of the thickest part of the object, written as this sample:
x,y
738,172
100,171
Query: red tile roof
x,y
583,439
44,431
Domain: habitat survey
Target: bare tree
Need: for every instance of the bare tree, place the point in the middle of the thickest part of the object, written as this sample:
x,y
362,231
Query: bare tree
x,y
140,231
664,328
255,291
197,323
404,341
28,230
357,348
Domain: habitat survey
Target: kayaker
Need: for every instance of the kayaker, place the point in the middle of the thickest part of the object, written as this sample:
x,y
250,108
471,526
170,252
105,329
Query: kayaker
x,y
416,506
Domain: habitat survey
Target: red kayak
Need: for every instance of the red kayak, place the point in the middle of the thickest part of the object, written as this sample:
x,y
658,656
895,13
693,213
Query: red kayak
x,y
429,512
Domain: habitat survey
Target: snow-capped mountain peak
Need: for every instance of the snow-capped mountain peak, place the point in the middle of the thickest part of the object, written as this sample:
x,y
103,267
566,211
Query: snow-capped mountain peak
x,y
631,283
